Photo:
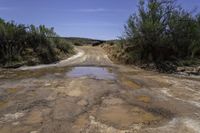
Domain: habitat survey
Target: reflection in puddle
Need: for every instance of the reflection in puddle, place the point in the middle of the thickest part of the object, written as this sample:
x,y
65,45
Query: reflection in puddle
x,y
92,72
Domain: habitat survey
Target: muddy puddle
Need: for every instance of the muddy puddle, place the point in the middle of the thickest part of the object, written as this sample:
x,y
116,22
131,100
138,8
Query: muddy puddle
x,y
123,116
115,112
91,72
60,72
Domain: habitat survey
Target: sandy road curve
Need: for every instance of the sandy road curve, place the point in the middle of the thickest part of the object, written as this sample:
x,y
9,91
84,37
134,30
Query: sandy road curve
x,y
92,56
87,93
85,55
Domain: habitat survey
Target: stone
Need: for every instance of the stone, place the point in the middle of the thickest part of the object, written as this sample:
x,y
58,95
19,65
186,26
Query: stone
x,y
34,132
83,103
12,117
180,69
198,69
189,70
34,117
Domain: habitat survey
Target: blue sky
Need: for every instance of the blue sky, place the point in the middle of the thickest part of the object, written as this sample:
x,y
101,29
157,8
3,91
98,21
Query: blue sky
x,y
100,19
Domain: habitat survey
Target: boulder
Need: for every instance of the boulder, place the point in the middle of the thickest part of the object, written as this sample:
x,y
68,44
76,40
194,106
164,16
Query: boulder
x,y
189,70
180,69
198,69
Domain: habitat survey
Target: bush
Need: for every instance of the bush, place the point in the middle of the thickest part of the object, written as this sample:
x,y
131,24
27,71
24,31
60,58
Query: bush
x,y
15,39
162,31
64,46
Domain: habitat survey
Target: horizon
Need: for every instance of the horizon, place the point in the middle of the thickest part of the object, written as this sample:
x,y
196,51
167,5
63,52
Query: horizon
x,y
94,19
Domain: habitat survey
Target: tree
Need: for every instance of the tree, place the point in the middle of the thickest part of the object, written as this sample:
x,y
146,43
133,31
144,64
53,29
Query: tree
x,y
17,39
161,31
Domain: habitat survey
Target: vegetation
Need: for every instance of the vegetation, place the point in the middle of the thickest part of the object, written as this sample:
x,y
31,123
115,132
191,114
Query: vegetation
x,y
161,32
82,41
21,44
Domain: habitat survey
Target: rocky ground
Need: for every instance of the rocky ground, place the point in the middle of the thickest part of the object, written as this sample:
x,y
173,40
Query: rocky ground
x,y
89,94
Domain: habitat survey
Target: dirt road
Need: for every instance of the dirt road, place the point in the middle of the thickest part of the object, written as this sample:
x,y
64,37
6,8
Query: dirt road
x,y
89,94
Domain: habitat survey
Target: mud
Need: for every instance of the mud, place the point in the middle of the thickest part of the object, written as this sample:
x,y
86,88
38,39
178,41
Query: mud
x,y
130,84
144,99
89,94
3,103
123,116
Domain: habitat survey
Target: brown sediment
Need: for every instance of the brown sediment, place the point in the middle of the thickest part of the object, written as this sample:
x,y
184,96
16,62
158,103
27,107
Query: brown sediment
x,y
124,116
145,99
3,103
129,83
34,117
81,123
12,90
115,112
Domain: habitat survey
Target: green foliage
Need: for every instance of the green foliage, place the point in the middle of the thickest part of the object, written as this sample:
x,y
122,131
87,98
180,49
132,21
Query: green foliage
x,y
162,31
17,39
77,41
64,46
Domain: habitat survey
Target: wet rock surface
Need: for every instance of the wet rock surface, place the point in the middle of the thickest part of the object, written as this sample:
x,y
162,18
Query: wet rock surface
x,y
78,97
189,70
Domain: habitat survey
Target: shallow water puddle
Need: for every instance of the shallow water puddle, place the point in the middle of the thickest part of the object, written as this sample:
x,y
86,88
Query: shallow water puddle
x,y
117,113
92,72
123,116
129,114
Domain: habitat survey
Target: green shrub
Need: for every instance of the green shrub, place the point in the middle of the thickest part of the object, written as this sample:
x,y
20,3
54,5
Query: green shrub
x,y
64,46
162,31
15,39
